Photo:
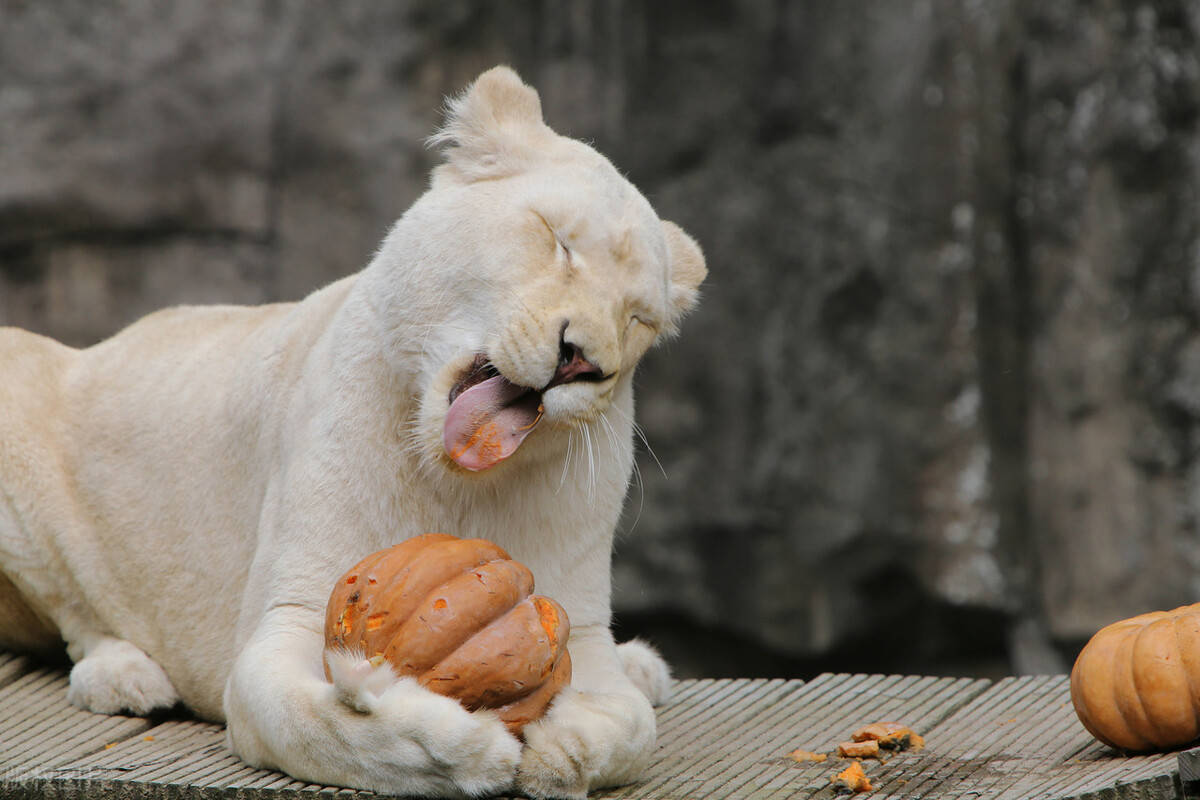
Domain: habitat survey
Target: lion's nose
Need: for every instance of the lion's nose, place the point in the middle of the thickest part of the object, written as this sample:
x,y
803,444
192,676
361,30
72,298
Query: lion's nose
x,y
573,365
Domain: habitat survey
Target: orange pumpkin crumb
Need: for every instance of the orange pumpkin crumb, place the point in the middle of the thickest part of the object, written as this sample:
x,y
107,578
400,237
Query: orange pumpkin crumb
x,y
890,736
801,756
851,780
862,749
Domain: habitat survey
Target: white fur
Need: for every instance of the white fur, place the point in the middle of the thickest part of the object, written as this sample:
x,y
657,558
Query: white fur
x,y
647,669
117,676
359,683
176,501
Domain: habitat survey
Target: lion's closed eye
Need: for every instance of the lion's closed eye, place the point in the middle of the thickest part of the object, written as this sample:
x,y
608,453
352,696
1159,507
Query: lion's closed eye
x,y
639,334
638,320
556,240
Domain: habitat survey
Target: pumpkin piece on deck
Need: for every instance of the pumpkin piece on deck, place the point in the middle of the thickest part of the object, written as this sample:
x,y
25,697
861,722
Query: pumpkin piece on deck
x,y
863,749
851,780
460,617
889,736
804,756
1136,684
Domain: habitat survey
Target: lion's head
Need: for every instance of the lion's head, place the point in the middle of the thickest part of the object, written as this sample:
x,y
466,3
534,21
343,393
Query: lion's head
x,y
526,283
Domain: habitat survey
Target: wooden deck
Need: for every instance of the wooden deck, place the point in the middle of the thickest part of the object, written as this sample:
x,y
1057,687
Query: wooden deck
x,y
1013,738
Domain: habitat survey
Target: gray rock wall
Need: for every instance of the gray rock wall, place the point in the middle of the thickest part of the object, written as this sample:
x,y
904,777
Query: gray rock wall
x,y
943,386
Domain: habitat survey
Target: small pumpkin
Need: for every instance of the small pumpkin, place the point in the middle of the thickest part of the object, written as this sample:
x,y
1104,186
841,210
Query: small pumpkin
x,y
1136,684
458,615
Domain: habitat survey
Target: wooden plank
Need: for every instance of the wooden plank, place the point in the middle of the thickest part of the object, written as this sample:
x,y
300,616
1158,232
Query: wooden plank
x,y
13,666
1021,740
955,748
916,701
40,730
175,747
919,702
739,733
759,764
717,725
179,759
1189,773
60,747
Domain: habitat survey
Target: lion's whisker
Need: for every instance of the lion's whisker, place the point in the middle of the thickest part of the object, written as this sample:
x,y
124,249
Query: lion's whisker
x,y
637,429
586,437
587,434
615,440
566,459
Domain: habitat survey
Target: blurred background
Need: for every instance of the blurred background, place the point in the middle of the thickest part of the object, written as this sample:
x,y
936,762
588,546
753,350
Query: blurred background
x,y
937,411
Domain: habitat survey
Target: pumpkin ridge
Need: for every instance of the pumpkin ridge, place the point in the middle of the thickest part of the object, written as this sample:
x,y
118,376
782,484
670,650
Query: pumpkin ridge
x,y
1180,617
1125,693
437,626
1083,691
1151,733
426,568
1149,670
507,685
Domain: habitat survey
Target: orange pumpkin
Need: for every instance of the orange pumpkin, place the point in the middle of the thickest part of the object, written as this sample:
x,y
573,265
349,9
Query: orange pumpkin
x,y
460,617
1136,684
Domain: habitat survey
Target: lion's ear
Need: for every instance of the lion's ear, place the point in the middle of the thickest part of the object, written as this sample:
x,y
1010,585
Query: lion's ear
x,y
687,272
494,127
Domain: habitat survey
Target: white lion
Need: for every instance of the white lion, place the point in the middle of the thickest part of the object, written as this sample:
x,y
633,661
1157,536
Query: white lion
x,y
176,501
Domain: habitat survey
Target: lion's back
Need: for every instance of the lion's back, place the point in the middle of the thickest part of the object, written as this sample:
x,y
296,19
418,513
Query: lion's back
x,y
33,369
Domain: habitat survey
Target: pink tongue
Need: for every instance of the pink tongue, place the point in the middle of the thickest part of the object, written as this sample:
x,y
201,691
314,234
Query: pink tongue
x,y
487,423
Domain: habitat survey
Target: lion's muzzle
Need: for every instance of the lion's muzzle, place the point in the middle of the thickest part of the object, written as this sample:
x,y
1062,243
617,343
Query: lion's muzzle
x,y
490,416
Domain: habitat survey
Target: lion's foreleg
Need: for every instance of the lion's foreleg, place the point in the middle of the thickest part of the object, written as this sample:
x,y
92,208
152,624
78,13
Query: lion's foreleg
x,y
385,735
600,732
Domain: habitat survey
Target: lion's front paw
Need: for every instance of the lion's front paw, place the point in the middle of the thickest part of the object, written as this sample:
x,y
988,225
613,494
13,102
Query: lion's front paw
x,y
115,676
369,729
587,741
476,750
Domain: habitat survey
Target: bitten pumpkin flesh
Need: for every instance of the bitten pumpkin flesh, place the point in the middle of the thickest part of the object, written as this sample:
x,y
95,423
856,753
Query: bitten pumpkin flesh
x,y
459,616
1136,685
